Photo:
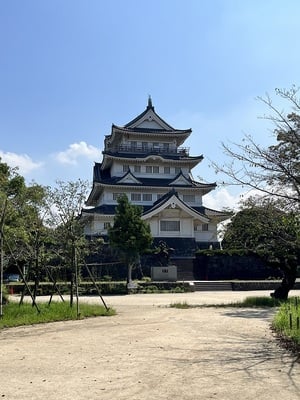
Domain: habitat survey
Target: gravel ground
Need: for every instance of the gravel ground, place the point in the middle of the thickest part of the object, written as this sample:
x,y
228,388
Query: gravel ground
x,y
151,351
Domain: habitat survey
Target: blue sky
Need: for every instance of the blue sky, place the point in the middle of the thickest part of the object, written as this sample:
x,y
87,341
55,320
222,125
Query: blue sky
x,y
70,68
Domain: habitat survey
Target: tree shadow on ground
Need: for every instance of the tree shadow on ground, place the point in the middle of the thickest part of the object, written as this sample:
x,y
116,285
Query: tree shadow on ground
x,y
259,313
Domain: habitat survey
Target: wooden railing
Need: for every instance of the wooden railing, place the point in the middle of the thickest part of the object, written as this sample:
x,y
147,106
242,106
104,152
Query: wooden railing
x,y
183,151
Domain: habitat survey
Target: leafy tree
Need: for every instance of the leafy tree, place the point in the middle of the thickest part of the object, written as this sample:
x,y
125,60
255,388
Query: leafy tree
x,y
130,235
64,204
264,228
20,211
274,170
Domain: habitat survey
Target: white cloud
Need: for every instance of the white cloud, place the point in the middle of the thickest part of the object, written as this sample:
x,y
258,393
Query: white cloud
x,y
222,198
76,151
23,162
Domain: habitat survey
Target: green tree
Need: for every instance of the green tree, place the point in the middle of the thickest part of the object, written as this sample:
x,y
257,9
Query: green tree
x,y
21,209
21,215
130,235
64,204
264,228
274,170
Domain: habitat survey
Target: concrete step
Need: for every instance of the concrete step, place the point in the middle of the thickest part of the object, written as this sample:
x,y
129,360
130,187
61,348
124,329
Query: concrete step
x,y
211,286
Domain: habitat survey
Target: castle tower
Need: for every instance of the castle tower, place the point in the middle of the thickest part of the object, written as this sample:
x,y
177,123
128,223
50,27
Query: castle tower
x,y
146,160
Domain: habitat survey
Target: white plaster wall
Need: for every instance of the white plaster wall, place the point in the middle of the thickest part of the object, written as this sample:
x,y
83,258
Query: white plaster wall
x,y
153,226
117,169
187,227
207,236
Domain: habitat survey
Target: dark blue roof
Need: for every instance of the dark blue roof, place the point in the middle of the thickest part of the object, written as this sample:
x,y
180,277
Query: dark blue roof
x,y
103,176
165,156
107,209
149,107
167,196
152,130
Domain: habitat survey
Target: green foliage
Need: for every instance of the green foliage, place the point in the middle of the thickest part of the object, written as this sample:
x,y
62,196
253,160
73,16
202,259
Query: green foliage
x,y
286,321
257,301
68,245
224,252
151,289
181,305
21,216
146,279
129,235
15,315
249,302
264,228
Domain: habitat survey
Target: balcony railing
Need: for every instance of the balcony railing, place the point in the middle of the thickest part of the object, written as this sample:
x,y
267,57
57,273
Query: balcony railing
x,y
180,151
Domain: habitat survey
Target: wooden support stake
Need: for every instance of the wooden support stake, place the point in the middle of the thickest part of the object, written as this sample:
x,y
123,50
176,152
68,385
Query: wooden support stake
x,y
291,321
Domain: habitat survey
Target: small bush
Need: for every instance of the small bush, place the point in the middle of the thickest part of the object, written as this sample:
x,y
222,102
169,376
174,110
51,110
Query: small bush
x,y
146,279
151,289
182,305
178,289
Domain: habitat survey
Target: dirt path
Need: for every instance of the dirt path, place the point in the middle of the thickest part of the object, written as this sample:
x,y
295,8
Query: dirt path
x,y
149,351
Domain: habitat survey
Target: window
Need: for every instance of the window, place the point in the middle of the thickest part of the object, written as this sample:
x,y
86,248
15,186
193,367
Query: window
x,y
144,146
166,170
125,167
147,197
159,195
106,225
133,145
150,169
166,146
116,195
189,198
204,227
170,226
135,196
137,168
177,170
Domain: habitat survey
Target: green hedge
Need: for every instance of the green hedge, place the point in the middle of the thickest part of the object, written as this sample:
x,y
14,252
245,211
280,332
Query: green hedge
x,y
106,288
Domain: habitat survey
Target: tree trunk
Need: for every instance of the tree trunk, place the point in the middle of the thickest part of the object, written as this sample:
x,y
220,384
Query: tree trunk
x,y
129,272
287,284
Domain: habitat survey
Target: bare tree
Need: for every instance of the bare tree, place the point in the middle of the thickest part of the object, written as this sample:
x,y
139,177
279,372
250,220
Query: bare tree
x,y
274,170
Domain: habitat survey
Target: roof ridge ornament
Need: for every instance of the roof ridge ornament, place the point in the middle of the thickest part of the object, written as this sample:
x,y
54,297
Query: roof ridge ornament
x,y
150,103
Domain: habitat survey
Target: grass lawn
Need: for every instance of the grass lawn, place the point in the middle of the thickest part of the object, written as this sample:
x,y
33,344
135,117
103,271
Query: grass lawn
x,y
254,301
25,314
